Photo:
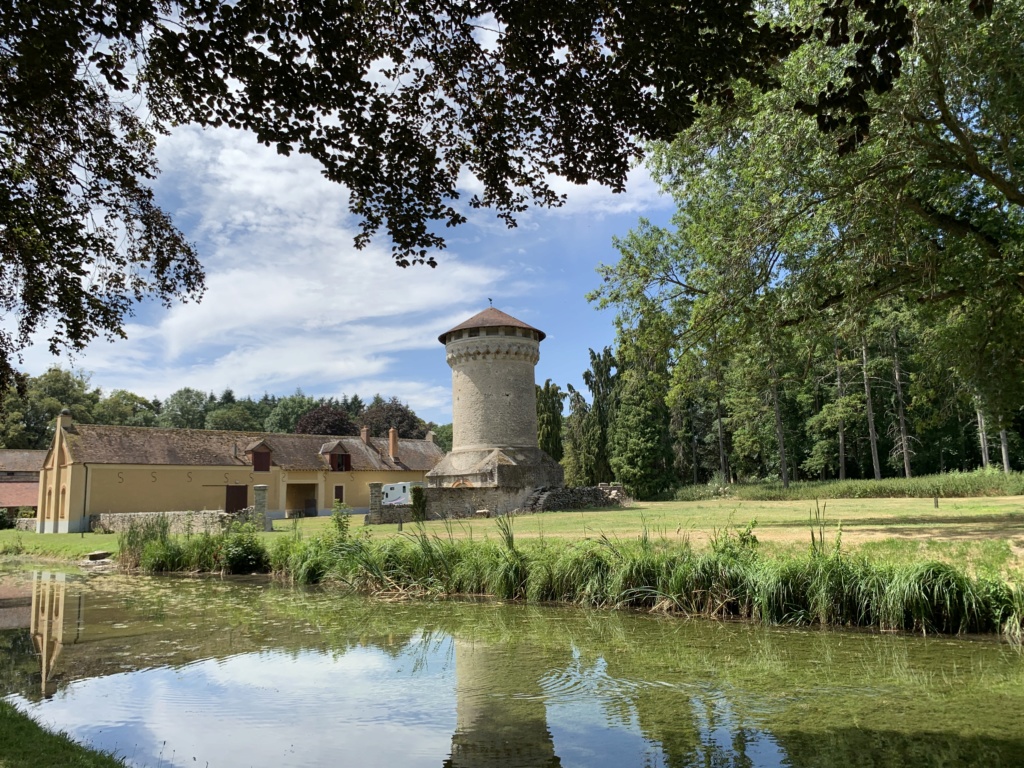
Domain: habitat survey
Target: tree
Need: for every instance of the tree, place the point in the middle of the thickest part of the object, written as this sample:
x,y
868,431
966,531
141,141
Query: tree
x,y
640,450
28,420
184,409
288,411
381,415
234,417
396,102
549,419
124,408
326,420
443,437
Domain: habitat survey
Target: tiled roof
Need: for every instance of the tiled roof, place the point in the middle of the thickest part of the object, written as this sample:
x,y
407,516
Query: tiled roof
x,y
19,494
21,461
491,318
95,444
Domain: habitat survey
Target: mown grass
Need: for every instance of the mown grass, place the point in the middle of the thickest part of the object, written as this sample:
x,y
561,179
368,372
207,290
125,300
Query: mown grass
x,y
24,743
69,546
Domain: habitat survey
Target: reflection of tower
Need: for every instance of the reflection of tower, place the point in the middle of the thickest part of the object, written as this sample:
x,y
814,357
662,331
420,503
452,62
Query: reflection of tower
x,y
494,406
500,711
47,626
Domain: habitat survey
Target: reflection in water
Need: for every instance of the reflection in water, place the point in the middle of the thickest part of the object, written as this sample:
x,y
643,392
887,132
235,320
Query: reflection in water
x,y
182,672
47,627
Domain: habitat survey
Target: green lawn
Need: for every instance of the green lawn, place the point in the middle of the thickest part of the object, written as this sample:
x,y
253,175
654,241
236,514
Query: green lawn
x,y
25,744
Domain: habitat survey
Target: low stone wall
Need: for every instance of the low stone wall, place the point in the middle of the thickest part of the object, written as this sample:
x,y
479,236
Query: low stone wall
x,y
213,521
446,503
26,524
391,513
555,499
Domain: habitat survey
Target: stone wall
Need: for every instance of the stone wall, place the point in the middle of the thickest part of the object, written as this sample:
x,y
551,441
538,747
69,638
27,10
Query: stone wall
x,y
26,524
556,499
445,503
392,513
213,521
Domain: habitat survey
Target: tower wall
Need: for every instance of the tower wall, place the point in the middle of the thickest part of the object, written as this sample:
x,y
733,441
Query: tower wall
x,y
494,401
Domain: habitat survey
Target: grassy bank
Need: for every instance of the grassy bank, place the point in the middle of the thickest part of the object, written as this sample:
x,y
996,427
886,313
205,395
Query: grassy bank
x,y
734,577
24,743
948,485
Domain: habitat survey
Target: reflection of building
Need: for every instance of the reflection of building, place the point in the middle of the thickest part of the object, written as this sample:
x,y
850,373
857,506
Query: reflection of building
x,y
47,627
494,409
501,716
92,469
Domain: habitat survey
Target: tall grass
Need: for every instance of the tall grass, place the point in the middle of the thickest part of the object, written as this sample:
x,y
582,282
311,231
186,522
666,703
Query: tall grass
x,y
981,482
732,579
148,545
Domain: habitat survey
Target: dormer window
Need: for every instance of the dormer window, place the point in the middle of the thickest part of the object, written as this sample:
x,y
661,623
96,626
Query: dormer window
x,y
341,462
259,452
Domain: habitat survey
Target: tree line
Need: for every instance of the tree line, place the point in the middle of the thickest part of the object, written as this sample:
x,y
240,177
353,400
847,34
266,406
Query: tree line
x,y
815,309
30,409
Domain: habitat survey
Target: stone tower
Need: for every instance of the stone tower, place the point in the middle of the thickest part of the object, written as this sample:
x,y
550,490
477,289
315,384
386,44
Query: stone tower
x,y
494,406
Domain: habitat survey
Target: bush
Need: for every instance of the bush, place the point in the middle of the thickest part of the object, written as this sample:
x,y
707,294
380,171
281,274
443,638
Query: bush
x,y
6,519
419,504
243,552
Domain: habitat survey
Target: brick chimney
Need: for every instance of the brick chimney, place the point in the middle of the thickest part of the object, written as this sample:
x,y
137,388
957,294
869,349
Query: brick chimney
x,y
365,434
393,444
64,420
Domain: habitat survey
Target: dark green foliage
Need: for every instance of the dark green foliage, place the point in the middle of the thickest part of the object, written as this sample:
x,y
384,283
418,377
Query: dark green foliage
x,y
419,504
243,551
326,420
443,436
549,419
381,415
640,447
586,434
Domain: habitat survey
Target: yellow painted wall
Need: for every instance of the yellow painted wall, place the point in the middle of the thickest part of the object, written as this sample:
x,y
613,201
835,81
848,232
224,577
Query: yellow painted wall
x,y
105,488
152,488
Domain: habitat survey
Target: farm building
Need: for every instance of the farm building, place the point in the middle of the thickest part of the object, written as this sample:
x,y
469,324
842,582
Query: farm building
x,y
92,470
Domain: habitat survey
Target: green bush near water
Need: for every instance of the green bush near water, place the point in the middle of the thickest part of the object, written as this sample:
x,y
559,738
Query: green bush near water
x,y
981,482
148,545
732,579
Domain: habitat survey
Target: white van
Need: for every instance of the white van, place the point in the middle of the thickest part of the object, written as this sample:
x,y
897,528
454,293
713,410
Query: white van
x,y
398,493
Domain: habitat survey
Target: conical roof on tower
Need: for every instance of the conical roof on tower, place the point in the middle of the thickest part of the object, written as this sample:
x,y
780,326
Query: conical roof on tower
x,y
491,318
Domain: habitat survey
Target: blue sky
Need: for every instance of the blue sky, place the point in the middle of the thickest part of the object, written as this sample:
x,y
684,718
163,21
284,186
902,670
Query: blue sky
x,y
290,303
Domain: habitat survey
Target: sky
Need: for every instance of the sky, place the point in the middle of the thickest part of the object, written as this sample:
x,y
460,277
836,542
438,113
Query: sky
x,y
291,304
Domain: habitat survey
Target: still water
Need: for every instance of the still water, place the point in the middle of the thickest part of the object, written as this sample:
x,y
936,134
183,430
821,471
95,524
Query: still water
x,y
183,672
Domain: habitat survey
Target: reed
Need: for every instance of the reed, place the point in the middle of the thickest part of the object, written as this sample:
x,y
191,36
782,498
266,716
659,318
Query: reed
x,y
823,586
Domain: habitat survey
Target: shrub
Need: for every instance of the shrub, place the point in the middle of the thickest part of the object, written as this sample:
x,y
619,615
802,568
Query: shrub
x,y
419,504
341,520
243,552
139,532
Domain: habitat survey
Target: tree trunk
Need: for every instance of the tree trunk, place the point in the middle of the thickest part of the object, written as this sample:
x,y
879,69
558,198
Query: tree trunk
x,y
842,427
1006,450
778,428
723,463
983,439
904,438
872,434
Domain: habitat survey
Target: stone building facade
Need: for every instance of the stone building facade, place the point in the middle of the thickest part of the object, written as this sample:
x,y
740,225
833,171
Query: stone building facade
x,y
494,412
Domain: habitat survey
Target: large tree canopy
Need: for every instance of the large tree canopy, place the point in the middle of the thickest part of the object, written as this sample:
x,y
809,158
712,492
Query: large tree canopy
x,y
775,229
396,100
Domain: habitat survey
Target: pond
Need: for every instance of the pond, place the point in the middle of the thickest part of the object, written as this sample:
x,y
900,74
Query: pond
x,y
246,672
